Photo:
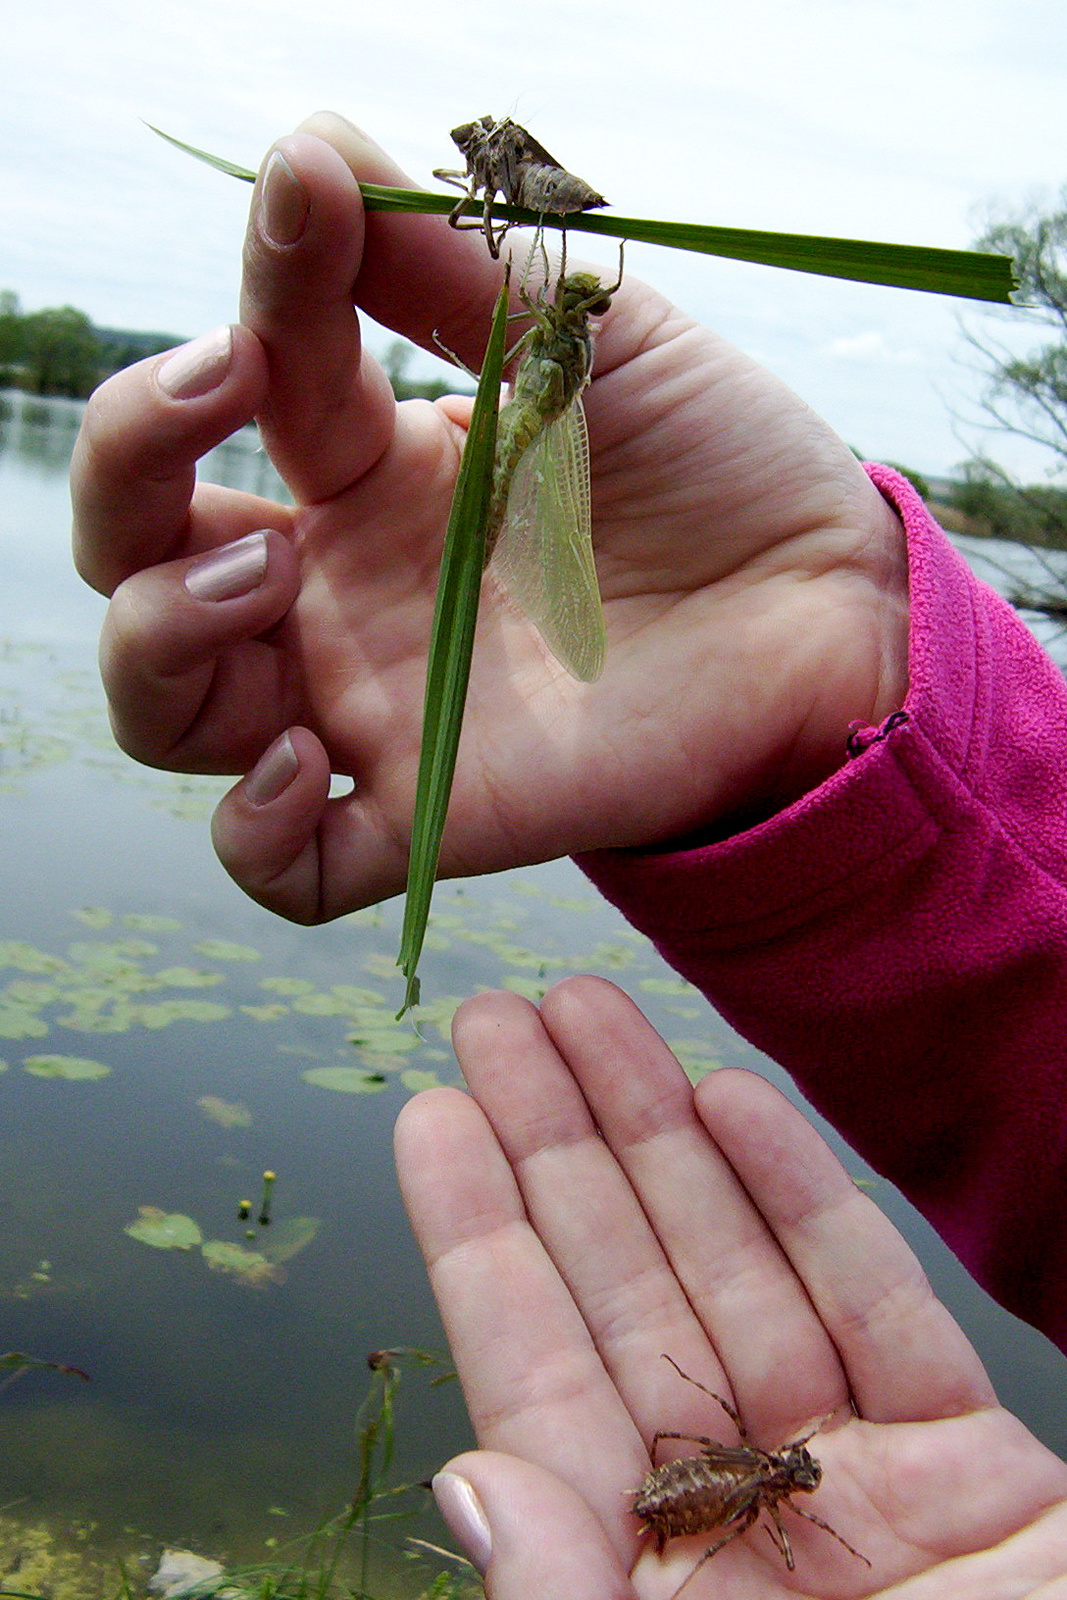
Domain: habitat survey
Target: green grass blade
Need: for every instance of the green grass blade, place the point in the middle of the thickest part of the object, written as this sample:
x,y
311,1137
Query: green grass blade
x,y
451,645
968,274
231,169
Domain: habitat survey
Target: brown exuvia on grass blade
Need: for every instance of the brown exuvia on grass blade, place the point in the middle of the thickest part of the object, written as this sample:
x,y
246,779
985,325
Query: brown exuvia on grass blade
x,y
727,1486
502,158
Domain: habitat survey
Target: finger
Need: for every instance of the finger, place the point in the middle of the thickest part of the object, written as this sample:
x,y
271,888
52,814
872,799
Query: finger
x,y
133,470
905,1357
295,850
407,254
191,682
329,413
532,1378
585,1211
526,1532
730,1269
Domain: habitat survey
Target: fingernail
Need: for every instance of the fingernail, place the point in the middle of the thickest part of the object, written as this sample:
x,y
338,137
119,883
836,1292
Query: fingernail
x,y
284,207
197,367
462,1510
272,773
232,570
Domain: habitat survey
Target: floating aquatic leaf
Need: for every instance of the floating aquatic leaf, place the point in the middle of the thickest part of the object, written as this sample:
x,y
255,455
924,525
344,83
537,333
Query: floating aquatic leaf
x,y
168,1011
228,1114
287,986
346,1080
695,1057
89,1016
613,956
4,1065
150,922
17,1360
226,950
672,986
415,1079
27,958
252,1268
33,992
356,998
267,1013
530,988
94,916
164,1230
76,1068
188,978
320,1004
20,1022
115,961
384,1041
285,1239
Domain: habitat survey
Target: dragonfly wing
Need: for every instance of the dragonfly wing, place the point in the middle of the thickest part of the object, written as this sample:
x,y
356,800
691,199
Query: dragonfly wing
x,y
545,550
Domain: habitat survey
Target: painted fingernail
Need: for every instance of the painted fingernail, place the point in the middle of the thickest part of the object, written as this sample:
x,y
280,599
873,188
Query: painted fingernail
x,y
466,1519
197,367
284,207
232,570
272,773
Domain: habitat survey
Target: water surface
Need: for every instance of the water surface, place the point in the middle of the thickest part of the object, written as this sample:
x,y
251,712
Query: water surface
x,y
220,1411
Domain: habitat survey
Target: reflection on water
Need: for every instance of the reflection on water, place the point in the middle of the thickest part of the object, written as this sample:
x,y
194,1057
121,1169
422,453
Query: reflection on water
x,y
222,1403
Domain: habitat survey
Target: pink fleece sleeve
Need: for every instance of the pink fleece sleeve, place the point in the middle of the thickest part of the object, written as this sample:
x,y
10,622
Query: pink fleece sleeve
x,y
897,938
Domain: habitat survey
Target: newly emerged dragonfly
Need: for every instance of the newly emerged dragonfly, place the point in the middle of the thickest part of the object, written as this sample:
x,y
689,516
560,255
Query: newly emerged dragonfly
x,y
539,532
726,1487
503,158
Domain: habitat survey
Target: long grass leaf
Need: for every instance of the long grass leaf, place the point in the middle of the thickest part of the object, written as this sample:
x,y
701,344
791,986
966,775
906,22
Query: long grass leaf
x,y
967,274
451,645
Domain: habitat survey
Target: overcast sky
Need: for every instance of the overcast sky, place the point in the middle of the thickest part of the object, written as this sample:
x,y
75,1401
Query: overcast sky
x,y
889,119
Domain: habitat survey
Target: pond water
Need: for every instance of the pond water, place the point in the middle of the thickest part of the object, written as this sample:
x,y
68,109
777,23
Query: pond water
x,y
164,1041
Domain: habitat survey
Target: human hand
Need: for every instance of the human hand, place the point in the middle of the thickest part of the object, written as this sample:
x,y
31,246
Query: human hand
x,y
753,579
586,1212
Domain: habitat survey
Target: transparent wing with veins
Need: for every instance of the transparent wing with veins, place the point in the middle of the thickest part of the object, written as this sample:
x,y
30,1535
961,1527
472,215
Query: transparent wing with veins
x,y
544,554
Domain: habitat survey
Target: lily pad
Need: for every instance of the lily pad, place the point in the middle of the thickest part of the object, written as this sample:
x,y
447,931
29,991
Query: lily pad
x,y
288,986
164,1012
188,978
668,986
20,1022
164,1230
415,1079
96,917
250,1266
151,922
228,1114
384,1041
346,1080
321,1005
226,950
76,1068
27,958
284,1240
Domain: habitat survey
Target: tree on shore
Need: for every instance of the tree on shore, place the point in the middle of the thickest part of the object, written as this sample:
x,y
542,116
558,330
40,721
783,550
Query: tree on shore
x,y
1026,395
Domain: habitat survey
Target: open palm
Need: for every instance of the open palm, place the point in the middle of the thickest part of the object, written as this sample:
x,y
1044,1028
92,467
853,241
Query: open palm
x,y
753,578
585,1213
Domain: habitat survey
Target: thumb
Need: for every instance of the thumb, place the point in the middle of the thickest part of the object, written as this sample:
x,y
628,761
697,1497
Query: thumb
x,y
527,1532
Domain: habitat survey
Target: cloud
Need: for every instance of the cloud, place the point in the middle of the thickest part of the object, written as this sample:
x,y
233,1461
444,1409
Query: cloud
x,y
872,346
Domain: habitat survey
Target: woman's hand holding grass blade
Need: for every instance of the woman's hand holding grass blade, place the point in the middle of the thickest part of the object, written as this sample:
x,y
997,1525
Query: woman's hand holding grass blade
x,y
754,580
